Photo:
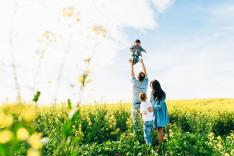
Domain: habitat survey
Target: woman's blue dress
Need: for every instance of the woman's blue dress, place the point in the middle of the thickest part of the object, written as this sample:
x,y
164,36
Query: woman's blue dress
x,y
160,112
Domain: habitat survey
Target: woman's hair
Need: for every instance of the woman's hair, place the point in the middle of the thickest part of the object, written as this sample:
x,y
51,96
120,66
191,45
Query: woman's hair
x,y
157,91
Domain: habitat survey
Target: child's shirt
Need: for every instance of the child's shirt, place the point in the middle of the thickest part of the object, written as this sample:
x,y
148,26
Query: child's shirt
x,y
137,50
147,116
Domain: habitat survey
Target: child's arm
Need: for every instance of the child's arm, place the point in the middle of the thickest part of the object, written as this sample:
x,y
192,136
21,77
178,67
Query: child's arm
x,y
143,50
159,106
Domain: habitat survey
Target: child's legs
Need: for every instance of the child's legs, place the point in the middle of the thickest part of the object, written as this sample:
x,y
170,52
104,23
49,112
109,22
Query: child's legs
x,y
148,125
135,59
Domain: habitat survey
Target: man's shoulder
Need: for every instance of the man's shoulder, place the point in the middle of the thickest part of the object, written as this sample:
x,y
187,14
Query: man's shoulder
x,y
133,79
146,80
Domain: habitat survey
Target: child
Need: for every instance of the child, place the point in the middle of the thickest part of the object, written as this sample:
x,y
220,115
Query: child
x,y
148,117
136,52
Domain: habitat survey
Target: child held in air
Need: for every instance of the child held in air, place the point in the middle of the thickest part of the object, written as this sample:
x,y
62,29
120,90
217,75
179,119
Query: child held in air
x,y
136,52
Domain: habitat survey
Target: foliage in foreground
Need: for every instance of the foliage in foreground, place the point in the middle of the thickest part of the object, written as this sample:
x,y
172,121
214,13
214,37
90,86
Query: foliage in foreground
x,y
198,127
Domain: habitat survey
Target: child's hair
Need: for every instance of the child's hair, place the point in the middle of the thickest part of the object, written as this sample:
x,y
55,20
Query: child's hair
x,y
137,41
143,96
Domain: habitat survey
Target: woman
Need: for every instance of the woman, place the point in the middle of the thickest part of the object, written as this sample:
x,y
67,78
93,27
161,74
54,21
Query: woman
x,y
158,97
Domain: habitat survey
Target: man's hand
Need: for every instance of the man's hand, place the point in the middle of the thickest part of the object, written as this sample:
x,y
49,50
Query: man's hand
x,y
142,61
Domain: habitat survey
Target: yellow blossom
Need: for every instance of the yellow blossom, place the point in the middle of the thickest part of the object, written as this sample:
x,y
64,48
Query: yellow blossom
x,y
22,134
35,141
219,145
70,11
219,138
33,152
211,136
5,136
5,120
171,133
28,114
99,30
111,119
232,152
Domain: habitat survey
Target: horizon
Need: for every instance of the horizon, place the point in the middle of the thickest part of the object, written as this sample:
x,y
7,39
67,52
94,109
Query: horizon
x,y
128,102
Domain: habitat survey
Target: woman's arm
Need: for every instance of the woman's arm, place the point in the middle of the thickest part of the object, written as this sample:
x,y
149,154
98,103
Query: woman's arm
x,y
150,109
155,103
159,106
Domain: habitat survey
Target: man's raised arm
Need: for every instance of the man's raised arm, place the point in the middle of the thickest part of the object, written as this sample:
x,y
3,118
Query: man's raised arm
x,y
132,74
143,67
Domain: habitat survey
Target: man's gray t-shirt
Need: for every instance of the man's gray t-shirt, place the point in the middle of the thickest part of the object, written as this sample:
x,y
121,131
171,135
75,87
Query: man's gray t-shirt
x,y
137,88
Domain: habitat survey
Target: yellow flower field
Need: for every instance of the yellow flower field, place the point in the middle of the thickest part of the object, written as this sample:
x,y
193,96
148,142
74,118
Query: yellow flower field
x,y
197,127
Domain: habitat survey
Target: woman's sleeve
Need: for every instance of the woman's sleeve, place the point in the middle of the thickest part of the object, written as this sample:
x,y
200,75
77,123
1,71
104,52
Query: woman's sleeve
x,y
154,103
159,105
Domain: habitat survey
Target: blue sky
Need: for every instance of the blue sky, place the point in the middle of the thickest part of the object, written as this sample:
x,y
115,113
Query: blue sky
x,y
195,70
189,43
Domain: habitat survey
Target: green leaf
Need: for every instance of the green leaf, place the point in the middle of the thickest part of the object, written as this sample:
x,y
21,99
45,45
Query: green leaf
x,y
69,104
36,96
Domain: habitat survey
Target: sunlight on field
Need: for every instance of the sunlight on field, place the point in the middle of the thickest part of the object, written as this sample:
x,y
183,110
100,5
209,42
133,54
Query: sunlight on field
x,y
193,105
208,105
217,105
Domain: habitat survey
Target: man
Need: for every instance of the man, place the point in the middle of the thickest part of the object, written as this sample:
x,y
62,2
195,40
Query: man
x,y
139,85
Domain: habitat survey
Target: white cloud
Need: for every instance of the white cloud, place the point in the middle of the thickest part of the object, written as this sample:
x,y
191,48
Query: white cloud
x,y
162,5
28,19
